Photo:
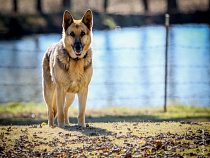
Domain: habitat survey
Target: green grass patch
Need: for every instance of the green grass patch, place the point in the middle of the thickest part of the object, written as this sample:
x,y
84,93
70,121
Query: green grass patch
x,y
15,107
29,113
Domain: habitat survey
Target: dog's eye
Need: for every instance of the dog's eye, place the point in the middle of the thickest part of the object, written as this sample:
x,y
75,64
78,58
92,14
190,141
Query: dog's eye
x,y
82,33
72,34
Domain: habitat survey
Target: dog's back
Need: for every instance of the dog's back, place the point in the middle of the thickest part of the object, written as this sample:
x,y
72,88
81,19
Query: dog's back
x,y
46,62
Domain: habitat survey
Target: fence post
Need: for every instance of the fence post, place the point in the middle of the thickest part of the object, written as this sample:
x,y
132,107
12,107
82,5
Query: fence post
x,y
166,59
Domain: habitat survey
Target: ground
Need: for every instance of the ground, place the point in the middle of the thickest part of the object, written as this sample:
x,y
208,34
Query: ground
x,y
115,132
120,139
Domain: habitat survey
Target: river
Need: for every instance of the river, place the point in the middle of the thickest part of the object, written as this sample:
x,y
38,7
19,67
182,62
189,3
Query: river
x,y
129,67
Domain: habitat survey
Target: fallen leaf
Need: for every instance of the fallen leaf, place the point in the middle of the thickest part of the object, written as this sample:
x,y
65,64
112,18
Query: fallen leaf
x,y
158,144
34,126
123,151
142,143
150,150
2,135
25,130
43,123
161,152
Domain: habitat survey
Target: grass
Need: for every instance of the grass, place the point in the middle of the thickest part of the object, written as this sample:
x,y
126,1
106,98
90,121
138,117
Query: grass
x,y
30,113
112,132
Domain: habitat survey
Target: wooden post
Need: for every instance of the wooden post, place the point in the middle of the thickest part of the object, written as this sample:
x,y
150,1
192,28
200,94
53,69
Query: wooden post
x,y
15,8
166,60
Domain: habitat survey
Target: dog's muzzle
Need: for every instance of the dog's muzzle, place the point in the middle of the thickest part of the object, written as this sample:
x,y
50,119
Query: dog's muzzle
x,y
78,48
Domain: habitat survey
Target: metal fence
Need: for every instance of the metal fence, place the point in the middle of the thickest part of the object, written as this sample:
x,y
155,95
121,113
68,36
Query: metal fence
x,y
188,70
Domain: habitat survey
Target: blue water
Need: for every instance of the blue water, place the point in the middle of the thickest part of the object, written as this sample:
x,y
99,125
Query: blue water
x,y
128,67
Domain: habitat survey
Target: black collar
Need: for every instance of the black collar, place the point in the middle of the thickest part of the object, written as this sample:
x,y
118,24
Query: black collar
x,y
76,59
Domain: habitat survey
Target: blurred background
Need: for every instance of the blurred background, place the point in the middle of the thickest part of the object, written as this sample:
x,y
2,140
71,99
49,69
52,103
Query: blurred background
x,y
129,43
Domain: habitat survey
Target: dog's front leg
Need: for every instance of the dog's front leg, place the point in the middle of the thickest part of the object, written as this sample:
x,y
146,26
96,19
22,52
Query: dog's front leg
x,y
60,97
82,104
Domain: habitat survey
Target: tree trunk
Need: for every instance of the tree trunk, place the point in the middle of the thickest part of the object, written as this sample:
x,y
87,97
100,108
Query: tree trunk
x,y
145,2
39,6
172,6
105,5
67,4
15,8
209,5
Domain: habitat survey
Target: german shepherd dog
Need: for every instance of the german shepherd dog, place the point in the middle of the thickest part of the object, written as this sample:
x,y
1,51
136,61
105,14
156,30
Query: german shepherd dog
x,y
67,69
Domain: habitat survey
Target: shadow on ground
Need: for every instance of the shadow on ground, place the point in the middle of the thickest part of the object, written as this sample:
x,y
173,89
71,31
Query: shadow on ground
x,y
89,131
105,119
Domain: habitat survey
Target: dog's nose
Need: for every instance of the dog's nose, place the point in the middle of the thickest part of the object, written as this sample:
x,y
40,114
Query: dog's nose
x,y
77,46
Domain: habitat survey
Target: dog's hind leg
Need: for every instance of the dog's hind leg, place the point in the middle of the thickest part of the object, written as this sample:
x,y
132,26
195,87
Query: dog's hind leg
x,y
48,88
68,102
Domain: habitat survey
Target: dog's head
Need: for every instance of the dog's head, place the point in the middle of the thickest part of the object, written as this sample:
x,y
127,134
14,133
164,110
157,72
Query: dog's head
x,y
77,34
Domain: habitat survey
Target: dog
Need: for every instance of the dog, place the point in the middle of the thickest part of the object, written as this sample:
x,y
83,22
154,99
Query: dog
x,y
67,69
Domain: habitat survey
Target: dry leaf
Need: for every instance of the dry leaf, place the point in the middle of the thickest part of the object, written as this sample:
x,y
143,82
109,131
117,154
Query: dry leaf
x,y
43,123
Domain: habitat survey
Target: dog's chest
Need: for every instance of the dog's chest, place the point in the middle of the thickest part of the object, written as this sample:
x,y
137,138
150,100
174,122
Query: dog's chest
x,y
72,74
76,77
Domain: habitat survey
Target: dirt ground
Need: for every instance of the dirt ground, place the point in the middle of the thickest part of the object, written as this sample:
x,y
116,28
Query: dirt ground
x,y
120,139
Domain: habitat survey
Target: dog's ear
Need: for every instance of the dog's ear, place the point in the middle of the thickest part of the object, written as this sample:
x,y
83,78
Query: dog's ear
x,y
67,19
88,19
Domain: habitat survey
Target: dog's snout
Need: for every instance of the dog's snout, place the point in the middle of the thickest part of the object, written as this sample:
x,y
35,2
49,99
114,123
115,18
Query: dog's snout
x,y
77,46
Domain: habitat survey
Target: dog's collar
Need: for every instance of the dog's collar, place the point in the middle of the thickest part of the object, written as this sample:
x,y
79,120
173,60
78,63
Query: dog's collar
x,y
76,59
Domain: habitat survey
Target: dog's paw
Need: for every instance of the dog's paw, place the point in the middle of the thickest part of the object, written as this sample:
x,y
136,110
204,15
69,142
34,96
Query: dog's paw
x,y
67,125
61,125
82,124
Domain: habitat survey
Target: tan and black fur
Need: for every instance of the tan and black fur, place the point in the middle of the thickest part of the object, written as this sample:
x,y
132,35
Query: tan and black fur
x,y
67,69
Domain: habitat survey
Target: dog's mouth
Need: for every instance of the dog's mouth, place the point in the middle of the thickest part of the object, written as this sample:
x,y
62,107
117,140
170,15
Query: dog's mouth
x,y
78,52
78,48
